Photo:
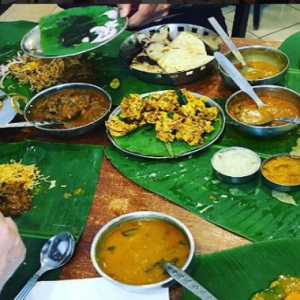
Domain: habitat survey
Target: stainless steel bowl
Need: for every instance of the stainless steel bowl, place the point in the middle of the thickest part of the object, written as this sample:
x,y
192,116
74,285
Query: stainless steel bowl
x,y
70,131
263,90
130,48
236,164
111,225
258,53
283,168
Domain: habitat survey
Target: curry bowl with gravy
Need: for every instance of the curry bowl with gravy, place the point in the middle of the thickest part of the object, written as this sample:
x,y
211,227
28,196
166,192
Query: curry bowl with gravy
x,y
266,65
131,249
77,108
280,102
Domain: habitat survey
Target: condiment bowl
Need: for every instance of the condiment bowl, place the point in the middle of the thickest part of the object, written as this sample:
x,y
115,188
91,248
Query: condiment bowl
x,y
236,164
130,249
267,129
281,172
131,47
77,107
259,54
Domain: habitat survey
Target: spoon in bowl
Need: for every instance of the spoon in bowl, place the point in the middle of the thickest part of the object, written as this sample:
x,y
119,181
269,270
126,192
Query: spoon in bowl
x,y
188,282
230,45
55,253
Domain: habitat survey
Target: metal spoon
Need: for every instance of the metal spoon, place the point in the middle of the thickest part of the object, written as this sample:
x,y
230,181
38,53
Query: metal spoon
x,y
56,252
29,124
270,119
238,78
230,45
188,282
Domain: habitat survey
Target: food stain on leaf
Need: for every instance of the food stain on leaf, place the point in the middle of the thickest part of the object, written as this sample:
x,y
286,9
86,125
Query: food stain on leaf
x,y
76,192
284,197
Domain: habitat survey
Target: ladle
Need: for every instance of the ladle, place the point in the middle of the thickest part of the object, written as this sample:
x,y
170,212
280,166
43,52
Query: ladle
x,y
238,78
56,252
230,45
188,282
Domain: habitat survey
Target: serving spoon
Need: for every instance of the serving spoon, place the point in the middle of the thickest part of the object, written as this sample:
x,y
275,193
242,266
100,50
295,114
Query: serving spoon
x,y
188,282
55,253
270,119
230,45
261,116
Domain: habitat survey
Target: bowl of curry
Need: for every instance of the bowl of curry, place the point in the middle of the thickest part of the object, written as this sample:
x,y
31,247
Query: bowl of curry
x,y
131,249
75,108
281,172
280,102
265,65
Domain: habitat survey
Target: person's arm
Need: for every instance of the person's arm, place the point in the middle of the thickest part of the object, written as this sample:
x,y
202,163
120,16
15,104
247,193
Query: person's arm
x,y
12,249
146,13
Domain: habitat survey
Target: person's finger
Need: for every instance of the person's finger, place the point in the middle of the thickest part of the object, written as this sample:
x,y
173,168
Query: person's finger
x,y
124,10
12,225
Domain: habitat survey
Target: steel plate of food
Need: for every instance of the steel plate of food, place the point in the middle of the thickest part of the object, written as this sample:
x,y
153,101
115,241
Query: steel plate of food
x,y
171,54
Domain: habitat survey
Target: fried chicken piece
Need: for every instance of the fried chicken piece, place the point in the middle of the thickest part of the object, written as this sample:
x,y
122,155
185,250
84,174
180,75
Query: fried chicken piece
x,y
117,127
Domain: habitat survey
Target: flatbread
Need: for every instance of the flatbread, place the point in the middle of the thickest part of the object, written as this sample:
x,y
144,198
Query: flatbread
x,y
185,52
189,42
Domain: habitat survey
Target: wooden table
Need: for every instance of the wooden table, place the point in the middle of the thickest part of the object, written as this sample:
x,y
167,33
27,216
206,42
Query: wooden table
x,y
116,195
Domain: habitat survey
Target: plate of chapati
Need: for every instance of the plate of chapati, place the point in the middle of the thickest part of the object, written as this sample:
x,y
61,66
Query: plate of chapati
x,y
170,54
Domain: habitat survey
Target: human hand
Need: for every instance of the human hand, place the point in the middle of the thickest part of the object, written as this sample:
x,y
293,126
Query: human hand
x,y
146,13
12,249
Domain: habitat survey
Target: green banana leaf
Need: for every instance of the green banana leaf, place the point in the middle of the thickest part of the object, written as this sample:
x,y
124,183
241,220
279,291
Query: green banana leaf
x,y
191,183
105,61
61,33
238,273
29,266
66,206
291,48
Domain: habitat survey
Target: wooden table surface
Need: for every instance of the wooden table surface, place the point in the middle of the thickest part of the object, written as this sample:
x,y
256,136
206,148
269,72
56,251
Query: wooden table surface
x,y
115,194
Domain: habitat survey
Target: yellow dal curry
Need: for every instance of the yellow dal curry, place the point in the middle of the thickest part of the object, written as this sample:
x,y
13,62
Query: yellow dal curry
x,y
133,253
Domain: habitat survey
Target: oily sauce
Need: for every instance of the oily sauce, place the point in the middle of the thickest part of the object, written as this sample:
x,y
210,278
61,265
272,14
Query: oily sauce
x,y
133,252
245,109
73,107
259,69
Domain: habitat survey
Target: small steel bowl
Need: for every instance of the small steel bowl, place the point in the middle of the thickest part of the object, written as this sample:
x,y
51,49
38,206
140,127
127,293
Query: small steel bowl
x,y
109,227
277,182
236,164
263,90
258,53
130,48
67,132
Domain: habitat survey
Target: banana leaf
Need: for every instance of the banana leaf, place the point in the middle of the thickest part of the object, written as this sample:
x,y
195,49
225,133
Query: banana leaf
x,y
249,209
62,33
290,47
240,272
66,206
105,60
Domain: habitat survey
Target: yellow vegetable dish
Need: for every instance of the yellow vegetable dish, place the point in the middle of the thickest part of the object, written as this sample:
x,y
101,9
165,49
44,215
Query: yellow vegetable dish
x,y
285,287
174,118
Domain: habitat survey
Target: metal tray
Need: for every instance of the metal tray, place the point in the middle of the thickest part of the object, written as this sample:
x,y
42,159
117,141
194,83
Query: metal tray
x,y
130,48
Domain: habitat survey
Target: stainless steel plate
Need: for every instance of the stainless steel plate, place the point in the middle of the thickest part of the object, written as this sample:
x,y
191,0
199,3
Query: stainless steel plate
x,y
31,44
130,48
211,137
